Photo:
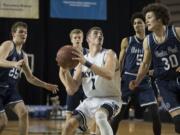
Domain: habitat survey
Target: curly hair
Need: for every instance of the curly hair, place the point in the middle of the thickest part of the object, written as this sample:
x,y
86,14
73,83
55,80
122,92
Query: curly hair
x,y
161,12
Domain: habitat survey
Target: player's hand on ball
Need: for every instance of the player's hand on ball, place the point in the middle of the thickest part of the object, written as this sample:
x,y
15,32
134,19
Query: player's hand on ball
x,y
79,56
64,57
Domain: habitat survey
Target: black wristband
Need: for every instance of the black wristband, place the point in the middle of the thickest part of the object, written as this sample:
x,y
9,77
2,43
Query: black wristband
x,y
88,64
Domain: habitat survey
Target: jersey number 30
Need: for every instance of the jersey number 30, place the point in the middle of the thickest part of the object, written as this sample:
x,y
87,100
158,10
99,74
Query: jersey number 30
x,y
169,62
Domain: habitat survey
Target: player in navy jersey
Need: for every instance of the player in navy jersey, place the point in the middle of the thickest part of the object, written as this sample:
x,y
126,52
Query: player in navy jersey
x,y
130,58
12,61
162,47
72,101
98,72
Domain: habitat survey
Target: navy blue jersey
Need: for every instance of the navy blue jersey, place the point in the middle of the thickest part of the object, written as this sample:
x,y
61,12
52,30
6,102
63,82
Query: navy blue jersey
x,y
10,76
166,55
134,55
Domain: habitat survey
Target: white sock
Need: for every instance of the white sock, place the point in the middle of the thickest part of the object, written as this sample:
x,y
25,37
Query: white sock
x,y
103,124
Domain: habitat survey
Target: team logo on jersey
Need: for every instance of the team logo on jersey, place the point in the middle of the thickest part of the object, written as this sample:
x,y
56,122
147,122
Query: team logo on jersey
x,y
136,50
88,74
163,53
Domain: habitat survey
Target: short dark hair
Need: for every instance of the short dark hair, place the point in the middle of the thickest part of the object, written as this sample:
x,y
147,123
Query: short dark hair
x,y
93,28
161,12
137,15
18,24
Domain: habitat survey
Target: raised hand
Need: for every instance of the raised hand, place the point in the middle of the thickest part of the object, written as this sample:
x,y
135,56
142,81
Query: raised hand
x,y
79,56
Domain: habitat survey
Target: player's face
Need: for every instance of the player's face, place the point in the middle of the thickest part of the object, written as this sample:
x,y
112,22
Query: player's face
x,y
20,35
96,37
151,21
139,25
77,39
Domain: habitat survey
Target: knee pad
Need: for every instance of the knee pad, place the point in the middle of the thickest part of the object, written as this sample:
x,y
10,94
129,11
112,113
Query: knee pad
x,y
176,120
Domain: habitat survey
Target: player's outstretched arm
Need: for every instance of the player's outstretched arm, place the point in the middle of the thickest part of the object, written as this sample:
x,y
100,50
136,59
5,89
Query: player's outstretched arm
x,y
34,80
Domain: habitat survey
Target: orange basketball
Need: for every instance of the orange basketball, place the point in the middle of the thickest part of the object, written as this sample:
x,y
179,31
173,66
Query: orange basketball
x,y
64,57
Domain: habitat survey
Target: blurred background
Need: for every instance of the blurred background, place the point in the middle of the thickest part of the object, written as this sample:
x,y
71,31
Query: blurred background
x,y
50,22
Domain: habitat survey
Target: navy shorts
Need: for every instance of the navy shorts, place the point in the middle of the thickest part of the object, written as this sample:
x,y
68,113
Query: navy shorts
x,y
8,95
170,91
144,93
73,101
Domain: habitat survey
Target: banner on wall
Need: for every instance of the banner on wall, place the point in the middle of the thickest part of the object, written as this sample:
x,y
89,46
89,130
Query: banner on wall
x,y
79,9
28,9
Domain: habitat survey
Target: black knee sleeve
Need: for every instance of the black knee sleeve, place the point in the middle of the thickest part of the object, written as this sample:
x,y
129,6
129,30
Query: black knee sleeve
x,y
176,120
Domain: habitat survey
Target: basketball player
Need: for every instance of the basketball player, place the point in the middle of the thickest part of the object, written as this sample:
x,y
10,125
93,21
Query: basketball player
x,y
130,58
12,61
98,72
72,101
162,47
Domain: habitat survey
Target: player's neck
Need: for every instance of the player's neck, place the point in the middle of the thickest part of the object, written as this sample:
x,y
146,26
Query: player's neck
x,y
160,34
18,45
160,31
141,36
94,50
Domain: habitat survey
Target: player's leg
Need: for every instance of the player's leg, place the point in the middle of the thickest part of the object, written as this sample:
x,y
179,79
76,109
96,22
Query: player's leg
x,y
169,90
104,114
117,119
126,95
21,111
101,117
72,102
155,119
176,120
147,99
71,125
93,128
3,120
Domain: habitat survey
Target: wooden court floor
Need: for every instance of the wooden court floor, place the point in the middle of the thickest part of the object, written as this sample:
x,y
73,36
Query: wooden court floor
x,y
53,127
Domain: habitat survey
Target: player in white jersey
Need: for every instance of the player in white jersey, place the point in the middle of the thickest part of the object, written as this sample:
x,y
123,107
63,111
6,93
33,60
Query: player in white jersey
x,y
95,85
99,74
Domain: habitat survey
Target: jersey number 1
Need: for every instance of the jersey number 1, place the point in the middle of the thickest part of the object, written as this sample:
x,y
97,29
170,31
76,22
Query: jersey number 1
x,y
93,84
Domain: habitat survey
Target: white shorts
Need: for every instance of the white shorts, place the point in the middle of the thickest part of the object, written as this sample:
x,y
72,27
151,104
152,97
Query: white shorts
x,y
90,105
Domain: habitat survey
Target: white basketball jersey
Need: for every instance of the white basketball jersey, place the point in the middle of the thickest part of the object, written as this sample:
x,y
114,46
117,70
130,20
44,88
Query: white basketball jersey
x,y
95,85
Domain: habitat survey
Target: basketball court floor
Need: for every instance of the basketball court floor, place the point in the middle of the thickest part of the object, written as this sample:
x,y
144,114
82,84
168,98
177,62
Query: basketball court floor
x,y
53,127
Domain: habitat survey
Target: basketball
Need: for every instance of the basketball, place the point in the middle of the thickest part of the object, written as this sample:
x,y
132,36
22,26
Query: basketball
x,y
64,57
